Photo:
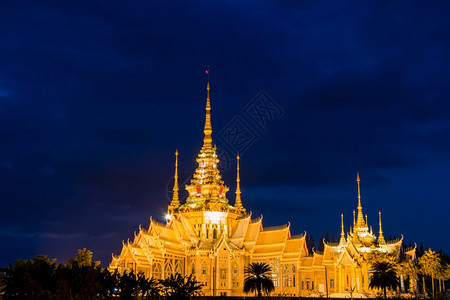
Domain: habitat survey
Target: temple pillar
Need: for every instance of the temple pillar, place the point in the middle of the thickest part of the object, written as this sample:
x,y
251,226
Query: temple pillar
x,y
362,279
211,276
315,280
402,284
352,287
229,274
340,286
336,282
217,273
368,281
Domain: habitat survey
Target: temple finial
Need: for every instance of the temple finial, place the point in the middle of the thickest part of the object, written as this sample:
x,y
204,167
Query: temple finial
x,y
175,197
381,240
360,219
207,141
342,239
238,203
359,189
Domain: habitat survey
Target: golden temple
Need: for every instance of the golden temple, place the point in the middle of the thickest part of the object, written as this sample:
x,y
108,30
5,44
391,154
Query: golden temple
x,y
215,240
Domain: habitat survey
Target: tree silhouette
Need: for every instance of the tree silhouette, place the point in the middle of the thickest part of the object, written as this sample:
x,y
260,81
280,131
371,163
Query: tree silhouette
x,y
383,276
327,237
409,270
181,287
128,285
258,278
430,265
83,258
148,287
30,279
321,245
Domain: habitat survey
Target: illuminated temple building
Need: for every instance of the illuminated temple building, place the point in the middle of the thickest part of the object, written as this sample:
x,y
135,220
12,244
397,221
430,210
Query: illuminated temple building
x,y
209,237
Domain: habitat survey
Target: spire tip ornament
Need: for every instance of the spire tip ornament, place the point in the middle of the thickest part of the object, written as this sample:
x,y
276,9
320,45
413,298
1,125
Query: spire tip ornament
x,y
207,141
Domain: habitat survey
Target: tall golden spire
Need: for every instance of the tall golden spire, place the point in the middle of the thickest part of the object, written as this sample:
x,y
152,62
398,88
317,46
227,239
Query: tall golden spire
x,y
360,220
342,240
206,188
238,203
381,240
175,197
207,141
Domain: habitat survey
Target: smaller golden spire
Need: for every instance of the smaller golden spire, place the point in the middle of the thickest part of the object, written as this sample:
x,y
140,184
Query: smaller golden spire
x,y
367,223
175,197
354,219
359,190
342,240
238,202
381,240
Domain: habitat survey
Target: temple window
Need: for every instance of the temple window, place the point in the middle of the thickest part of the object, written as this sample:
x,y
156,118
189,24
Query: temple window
x,y
235,269
179,266
156,270
289,275
274,263
214,233
168,267
332,283
223,273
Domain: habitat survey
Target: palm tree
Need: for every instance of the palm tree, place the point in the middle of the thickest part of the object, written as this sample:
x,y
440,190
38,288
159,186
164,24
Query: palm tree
x,y
430,263
258,278
181,287
410,270
128,285
383,276
148,287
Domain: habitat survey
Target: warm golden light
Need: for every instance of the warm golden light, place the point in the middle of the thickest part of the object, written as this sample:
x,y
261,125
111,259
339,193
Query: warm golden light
x,y
215,217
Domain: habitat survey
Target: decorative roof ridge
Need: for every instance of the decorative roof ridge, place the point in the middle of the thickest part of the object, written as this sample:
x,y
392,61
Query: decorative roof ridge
x,y
258,219
330,244
394,241
296,237
408,249
159,224
275,228
317,252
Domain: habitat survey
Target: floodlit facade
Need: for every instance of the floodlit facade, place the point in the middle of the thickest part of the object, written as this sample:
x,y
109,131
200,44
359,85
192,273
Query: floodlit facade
x,y
209,237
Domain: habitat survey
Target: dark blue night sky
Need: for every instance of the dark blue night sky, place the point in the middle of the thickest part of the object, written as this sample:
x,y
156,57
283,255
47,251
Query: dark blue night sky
x,y
96,96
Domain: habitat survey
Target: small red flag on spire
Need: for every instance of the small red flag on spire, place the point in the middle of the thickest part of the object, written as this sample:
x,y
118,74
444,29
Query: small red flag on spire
x,y
207,71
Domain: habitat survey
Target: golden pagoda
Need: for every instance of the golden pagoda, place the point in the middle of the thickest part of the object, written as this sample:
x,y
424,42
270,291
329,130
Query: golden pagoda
x,y
215,240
